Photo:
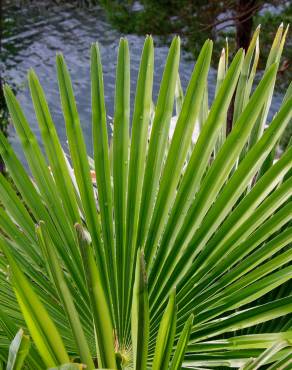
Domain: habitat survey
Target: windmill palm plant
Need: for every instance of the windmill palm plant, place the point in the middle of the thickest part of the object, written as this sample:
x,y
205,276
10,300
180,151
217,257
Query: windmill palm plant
x,y
162,251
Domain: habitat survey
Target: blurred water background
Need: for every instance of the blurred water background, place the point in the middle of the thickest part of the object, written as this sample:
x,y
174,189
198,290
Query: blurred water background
x,y
32,35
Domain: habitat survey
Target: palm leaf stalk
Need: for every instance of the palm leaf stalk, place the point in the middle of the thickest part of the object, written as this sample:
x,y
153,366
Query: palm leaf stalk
x,y
179,255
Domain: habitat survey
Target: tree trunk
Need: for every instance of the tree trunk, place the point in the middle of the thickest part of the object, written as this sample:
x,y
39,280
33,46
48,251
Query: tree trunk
x,y
243,24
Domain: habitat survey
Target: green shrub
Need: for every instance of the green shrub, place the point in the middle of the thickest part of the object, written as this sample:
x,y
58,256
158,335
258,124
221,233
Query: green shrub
x,y
178,254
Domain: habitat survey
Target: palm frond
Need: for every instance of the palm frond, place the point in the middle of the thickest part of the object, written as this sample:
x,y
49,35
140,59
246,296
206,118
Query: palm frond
x,y
179,254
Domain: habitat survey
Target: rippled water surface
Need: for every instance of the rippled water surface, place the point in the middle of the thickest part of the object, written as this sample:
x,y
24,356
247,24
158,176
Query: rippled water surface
x,y
33,36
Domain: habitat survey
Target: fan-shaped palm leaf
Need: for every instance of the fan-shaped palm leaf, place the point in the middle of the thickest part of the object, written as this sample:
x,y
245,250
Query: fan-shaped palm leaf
x,y
211,213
